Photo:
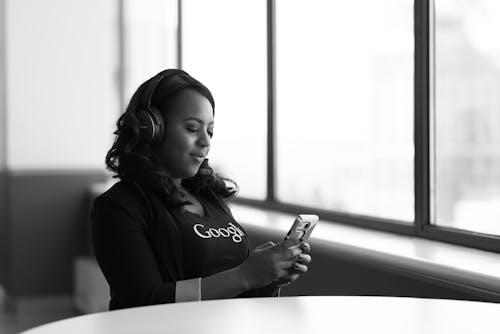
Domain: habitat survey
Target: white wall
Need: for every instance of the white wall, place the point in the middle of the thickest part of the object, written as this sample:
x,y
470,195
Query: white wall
x,y
2,88
61,89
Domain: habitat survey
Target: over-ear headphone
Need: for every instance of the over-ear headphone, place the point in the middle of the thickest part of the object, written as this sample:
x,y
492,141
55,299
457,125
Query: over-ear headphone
x,y
151,122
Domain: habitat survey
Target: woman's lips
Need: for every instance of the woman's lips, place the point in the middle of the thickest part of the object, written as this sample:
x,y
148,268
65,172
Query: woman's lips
x,y
198,158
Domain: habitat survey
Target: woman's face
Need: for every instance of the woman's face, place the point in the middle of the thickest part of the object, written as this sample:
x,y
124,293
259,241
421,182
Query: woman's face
x,y
188,131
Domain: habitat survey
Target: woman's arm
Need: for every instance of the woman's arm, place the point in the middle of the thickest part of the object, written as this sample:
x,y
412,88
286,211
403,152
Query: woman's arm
x,y
267,264
225,284
126,257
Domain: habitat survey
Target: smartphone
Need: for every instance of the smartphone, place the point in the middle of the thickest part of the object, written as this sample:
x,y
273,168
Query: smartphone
x,y
302,227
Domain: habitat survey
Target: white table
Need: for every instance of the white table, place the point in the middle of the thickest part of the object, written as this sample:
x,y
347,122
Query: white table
x,y
291,315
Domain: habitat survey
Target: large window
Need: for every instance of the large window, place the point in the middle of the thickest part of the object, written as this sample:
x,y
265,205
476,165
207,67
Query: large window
x,y
344,106
380,114
224,46
467,115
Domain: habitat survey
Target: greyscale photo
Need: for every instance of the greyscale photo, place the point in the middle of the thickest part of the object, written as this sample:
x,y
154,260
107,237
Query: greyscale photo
x,y
250,166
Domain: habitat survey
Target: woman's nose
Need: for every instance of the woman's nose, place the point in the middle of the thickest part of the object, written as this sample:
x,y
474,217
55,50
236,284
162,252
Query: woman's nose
x,y
204,140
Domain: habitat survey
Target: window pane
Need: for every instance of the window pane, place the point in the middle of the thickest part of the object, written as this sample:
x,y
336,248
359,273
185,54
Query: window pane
x,y
467,115
150,40
345,105
224,46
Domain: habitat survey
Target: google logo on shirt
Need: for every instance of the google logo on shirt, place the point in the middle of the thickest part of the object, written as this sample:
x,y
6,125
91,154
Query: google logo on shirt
x,y
231,231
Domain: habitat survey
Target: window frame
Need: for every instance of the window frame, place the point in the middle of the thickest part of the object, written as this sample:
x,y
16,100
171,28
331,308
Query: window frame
x,y
423,104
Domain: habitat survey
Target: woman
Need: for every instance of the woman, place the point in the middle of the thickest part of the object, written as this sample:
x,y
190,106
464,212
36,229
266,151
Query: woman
x,y
164,232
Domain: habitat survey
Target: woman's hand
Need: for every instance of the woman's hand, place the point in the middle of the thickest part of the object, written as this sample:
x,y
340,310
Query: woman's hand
x,y
299,267
271,263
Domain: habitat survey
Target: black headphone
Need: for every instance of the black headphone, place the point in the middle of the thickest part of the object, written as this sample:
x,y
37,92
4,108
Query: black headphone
x,y
151,122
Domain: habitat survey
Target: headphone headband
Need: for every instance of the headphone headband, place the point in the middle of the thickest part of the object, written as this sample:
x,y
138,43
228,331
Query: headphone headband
x,y
151,122
148,94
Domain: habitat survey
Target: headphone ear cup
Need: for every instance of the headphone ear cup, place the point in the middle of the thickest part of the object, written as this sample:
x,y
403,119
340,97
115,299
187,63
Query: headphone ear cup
x,y
146,126
159,126
151,122
151,126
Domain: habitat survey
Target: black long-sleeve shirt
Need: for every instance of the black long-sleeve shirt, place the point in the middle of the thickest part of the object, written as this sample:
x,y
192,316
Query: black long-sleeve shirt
x,y
144,248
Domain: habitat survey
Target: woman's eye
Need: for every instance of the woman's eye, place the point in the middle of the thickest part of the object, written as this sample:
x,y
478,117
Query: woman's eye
x,y
196,130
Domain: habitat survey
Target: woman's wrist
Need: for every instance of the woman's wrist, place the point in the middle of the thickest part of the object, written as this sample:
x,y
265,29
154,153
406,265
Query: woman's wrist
x,y
243,277
225,284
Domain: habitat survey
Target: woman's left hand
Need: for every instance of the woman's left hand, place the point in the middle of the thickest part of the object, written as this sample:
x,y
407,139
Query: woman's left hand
x,y
299,267
303,259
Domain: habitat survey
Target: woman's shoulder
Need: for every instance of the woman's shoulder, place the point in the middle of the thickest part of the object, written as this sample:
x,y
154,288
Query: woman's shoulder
x,y
126,194
121,190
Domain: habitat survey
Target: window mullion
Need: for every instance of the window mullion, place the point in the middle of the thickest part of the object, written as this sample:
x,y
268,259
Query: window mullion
x,y
271,101
421,118
179,34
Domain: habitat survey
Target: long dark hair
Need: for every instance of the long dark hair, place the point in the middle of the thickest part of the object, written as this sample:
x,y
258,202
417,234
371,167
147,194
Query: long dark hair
x,y
133,160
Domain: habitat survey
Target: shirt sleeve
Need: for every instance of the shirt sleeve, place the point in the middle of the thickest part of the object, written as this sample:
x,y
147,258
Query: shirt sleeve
x,y
188,290
125,256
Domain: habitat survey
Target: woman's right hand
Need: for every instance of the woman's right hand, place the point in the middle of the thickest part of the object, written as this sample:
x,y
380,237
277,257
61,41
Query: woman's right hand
x,y
269,263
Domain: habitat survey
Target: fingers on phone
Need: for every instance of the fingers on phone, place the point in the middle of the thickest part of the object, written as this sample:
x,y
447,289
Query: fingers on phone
x,y
306,248
304,258
300,267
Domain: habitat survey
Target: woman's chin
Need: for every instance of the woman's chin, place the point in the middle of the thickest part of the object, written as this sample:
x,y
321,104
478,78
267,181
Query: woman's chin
x,y
191,173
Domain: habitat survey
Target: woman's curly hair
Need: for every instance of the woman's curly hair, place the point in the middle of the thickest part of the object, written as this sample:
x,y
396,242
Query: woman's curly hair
x,y
133,160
